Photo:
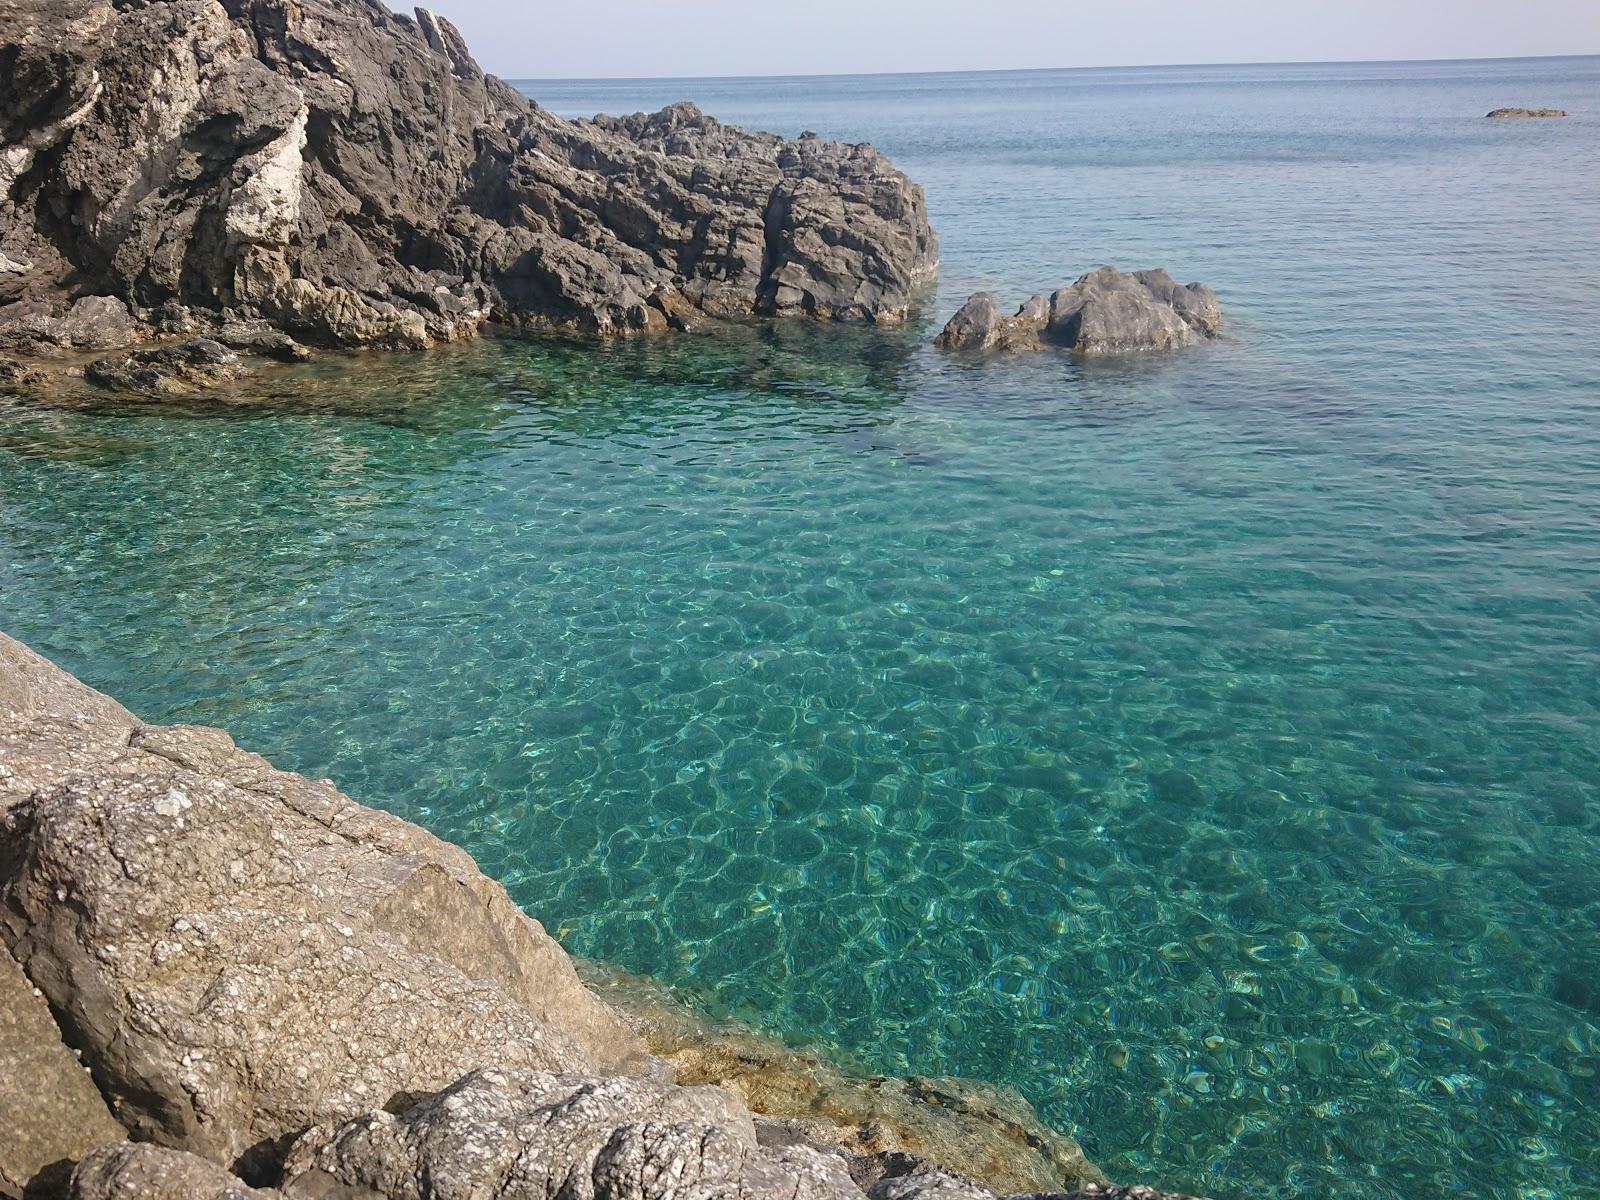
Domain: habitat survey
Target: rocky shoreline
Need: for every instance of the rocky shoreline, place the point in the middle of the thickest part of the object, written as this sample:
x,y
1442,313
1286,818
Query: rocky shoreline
x,y
225,980
239,178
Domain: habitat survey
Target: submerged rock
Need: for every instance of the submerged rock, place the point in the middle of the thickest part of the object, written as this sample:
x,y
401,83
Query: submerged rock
x,y
1106,312
1502,114
351,175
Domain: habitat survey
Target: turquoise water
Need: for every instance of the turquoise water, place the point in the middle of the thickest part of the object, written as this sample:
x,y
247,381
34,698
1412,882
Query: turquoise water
x,y
1209,747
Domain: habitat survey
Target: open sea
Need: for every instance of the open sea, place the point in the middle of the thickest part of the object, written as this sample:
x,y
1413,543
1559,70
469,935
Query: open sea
x,y
1207,746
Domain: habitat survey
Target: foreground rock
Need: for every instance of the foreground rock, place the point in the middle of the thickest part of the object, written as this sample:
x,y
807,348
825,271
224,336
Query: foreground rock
x,y
240,953
1106,312
1503,114
50,1113
352,177
279,992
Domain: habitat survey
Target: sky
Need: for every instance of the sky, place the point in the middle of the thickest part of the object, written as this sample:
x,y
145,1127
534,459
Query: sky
x,y
561,39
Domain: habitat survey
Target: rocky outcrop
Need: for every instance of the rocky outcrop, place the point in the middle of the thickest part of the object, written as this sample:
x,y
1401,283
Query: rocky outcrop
x,y
280,993
351,176
1503,114
1106,312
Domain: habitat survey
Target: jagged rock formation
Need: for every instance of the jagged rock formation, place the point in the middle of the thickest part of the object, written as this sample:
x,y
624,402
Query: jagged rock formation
x,y
353,177
1106,312
278,992
1502,114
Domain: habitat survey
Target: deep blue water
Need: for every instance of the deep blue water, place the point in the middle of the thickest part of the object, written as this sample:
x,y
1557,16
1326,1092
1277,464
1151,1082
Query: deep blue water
x,y
1208,747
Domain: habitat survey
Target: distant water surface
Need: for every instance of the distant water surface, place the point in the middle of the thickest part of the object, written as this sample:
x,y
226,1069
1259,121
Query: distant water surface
x,y
1208,747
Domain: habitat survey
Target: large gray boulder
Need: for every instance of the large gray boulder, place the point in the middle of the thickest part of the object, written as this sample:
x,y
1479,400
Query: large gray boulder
x,y
1105,313
239,953
351,175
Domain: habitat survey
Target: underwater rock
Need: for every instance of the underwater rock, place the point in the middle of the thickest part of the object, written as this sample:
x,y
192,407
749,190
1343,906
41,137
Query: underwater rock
x,y
1502,114
1106,312
352,175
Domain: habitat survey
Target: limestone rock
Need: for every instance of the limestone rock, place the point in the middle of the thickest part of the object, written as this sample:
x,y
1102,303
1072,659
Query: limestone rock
x,y
144,1172
1105,313
50,1113
239,952
1502,114
352,176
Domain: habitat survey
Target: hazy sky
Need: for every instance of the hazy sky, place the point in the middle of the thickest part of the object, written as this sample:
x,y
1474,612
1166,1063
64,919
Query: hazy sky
x,y
557,38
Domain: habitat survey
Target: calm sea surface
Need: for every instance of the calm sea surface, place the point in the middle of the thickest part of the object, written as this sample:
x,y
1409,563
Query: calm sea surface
x,y
1208,747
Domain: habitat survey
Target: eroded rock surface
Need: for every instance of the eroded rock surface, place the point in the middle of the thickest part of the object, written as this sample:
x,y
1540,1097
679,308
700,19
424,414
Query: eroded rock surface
x,y
145,1172
1106,312
353,177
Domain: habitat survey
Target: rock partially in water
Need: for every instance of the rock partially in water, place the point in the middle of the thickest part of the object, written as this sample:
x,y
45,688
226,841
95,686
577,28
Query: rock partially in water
x,y
275,985
352,176
19,376
1106,312
512,1134
181,370
1504,114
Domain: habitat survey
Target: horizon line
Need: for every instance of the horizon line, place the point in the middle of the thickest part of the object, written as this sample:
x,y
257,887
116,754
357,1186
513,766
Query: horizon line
x,y
1263,62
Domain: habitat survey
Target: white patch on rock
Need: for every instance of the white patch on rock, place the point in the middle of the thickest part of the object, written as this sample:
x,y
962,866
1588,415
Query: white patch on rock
x,y
172,803
265,208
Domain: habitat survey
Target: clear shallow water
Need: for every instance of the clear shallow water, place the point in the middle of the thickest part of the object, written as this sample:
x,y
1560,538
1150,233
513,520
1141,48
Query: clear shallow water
x,y
1208,747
